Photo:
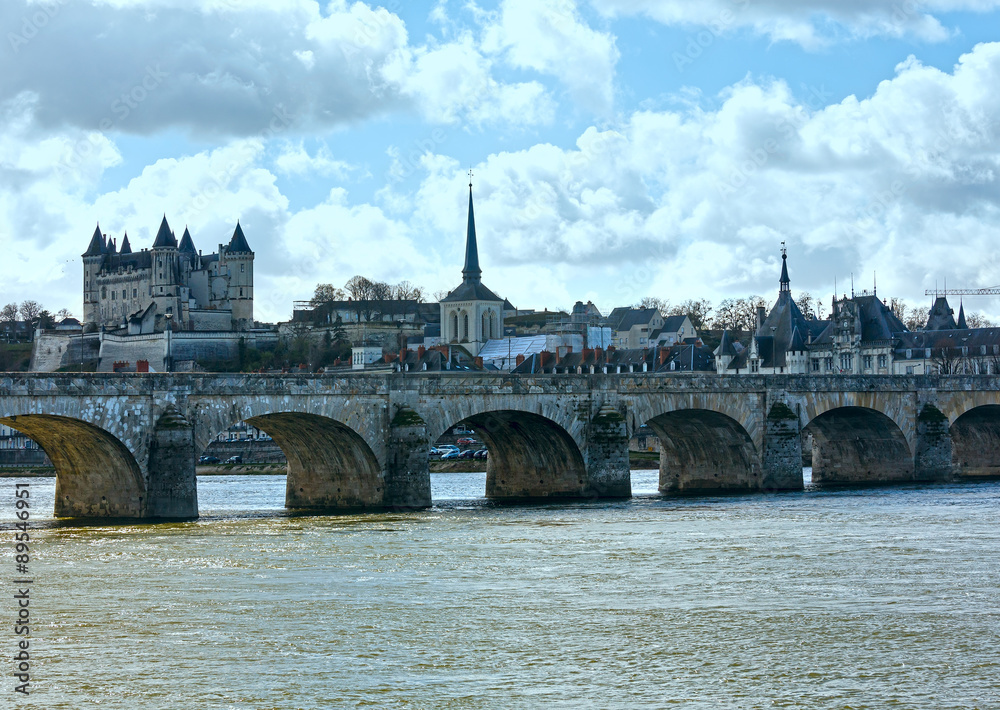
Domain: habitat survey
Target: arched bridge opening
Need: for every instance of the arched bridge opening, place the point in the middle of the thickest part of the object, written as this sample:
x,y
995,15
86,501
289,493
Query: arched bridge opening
x,y
329,466
975,440
96,475
704,451
858,446
530,457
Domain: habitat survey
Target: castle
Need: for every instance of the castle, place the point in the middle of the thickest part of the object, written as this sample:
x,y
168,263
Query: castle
x,y
171,286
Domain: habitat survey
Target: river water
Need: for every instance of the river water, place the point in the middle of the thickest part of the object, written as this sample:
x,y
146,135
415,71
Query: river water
x,y
872,598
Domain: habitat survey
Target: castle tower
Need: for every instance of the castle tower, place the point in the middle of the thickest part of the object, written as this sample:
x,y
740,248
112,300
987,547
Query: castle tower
x,y
471,314
166,274
92,260
239,258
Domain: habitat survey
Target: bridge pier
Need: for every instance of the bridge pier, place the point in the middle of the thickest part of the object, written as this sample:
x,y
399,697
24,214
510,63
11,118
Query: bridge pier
x,y
782,456
172,488
407,471
932,457
608,472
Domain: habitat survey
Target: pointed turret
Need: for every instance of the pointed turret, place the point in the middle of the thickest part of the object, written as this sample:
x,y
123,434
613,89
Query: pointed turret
x,y
785,283
164,237
471,273
726,347
111,247
126,247
96,247
187,244
238,243
961,316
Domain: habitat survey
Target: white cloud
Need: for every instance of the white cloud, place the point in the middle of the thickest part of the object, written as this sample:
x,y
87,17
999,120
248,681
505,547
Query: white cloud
x,y
812,23
553,39
295,160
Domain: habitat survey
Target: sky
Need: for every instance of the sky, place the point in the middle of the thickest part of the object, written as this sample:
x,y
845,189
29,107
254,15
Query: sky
x,y
619,148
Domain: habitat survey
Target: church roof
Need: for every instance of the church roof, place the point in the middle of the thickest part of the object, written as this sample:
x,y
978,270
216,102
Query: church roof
x,y
187,244
164,237
96,247
126,247
238,244
940,316
472,288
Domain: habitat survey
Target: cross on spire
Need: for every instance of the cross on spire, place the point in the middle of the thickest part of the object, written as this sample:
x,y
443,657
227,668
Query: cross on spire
x,y
470,177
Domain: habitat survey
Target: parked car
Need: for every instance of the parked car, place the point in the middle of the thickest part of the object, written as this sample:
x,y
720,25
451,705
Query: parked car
x,y
234,459
467,441
444,448
435,451
467,454
451,455
462,430
208,459
481,454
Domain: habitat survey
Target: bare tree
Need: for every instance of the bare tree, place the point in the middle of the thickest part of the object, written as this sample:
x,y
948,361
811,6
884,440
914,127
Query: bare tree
x,y
8,314
63,314
29,311
383,303
440,295
698,310
406,291
660,304
807,304
360,290
978,320
325,293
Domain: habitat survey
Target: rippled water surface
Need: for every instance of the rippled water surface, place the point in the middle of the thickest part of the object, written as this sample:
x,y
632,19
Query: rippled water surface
x,y
875,598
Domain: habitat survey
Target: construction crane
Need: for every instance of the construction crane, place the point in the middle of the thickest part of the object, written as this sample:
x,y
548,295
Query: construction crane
x,y
992,291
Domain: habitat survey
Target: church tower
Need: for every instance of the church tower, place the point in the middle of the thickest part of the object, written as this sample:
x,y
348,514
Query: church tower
x,y
471,314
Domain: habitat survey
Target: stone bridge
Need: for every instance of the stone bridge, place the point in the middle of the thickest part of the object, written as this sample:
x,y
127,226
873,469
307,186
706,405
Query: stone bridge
x,y
125,446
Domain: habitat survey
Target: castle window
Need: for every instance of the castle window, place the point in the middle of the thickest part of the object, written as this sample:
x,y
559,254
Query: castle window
x,y
135,293
454,326
124,293
242,268
883,361
868,362
241,293
846,361
829,364
465,327
754,365
104,291
113,294
815,365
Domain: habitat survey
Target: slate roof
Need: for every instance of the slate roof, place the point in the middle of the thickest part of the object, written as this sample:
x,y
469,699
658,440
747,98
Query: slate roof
x,y
940,316
472,288
187,244
164,237
972,338
238,244
671,324
96,247
126,247
622,319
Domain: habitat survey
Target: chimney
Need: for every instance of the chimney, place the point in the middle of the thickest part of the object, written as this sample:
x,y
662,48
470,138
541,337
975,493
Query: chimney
x,y
479,362
611,349
598,356
558,356
663,355
586,355
420,351
544,358
518,360
387,357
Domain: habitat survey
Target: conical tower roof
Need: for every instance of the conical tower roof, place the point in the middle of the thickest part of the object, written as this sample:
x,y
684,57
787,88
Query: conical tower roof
x,y
164,237
238,244
961,316
187,244
126,247
726,346
784,281
96,247
471,271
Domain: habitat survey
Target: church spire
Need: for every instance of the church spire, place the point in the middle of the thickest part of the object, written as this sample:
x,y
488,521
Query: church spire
x,y
785,282
962,325
471,273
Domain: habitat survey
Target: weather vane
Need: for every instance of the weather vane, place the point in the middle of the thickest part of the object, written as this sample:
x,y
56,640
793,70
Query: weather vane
x,y
470,177
783,250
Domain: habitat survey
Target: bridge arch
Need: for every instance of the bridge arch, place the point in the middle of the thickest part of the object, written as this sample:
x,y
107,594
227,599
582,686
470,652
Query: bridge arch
x,y
703,451
858,445
330,465
531,456
96,474
975,437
